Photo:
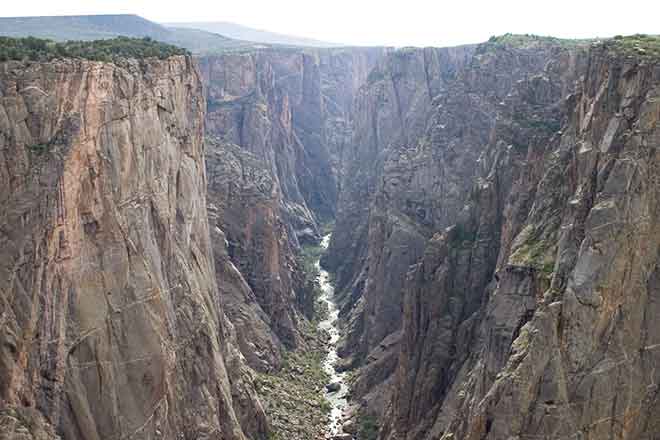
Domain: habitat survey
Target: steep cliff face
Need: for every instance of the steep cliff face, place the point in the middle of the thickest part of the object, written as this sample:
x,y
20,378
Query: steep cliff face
x,y
277,104
372,247
278,121
258,276
488,141
499,281
390,111
111,325
567,346
433,122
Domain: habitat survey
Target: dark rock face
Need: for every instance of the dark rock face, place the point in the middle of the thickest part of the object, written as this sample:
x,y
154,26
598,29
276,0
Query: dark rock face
x,y
485,148
258,275
277,123
379,232
111,325
566,334
333,387
276,105
496,243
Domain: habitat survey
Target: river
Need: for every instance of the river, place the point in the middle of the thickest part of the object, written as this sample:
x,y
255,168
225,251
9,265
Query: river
x,y
338,399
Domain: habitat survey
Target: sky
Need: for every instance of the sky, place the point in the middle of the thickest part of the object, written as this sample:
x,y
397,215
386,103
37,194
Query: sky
x,y
384,22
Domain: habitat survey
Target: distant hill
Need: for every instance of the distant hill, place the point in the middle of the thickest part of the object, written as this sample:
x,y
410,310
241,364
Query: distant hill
x,y
98,27
82,27
239,32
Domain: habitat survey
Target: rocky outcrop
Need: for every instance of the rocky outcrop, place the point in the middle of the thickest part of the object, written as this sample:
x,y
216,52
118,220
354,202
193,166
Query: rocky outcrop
x,y
111,324
486,149
291,109
499,280
278,121
566,334
374,243
427,118
249,238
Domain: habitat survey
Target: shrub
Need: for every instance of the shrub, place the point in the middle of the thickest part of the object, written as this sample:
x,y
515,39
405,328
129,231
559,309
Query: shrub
x,y
368,427
375,76
530,40
462,235
307,260
36,49
638,46
38,148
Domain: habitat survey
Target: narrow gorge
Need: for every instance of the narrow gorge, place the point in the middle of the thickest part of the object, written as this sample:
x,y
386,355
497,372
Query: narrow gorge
x,y
350,243
337,391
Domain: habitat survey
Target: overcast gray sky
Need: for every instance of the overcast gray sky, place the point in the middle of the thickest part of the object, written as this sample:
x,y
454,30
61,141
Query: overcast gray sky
x,y
383,22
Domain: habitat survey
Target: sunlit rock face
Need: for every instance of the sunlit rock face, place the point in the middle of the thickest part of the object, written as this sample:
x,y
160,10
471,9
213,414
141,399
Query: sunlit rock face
x,y
110,324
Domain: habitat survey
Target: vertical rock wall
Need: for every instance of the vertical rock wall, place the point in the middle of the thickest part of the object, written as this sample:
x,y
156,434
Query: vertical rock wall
x,y
277,122
110,325
496,242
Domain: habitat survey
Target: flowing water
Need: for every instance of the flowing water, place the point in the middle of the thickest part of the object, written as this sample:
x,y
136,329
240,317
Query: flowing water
x,y
338,399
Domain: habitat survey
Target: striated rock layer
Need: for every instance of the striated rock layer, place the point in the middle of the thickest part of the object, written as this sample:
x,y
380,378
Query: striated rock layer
x,y
500,281
291,109
259,278
110,323
567,346
277,123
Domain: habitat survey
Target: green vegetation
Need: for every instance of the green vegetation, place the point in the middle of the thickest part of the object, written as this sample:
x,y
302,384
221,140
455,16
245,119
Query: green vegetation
x,y
548,268
307,261
461,235
100,27
529,40
38,148
535,252
81,27
309,256
375,76
294,396
309,364
327,228
36,49
642,46
547,126
367,427
639,45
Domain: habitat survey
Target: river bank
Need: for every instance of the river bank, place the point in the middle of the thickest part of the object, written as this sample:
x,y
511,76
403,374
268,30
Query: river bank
x,y
337,390
307,398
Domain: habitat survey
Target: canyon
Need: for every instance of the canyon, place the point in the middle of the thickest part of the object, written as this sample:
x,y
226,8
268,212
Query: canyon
x,y
489,212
